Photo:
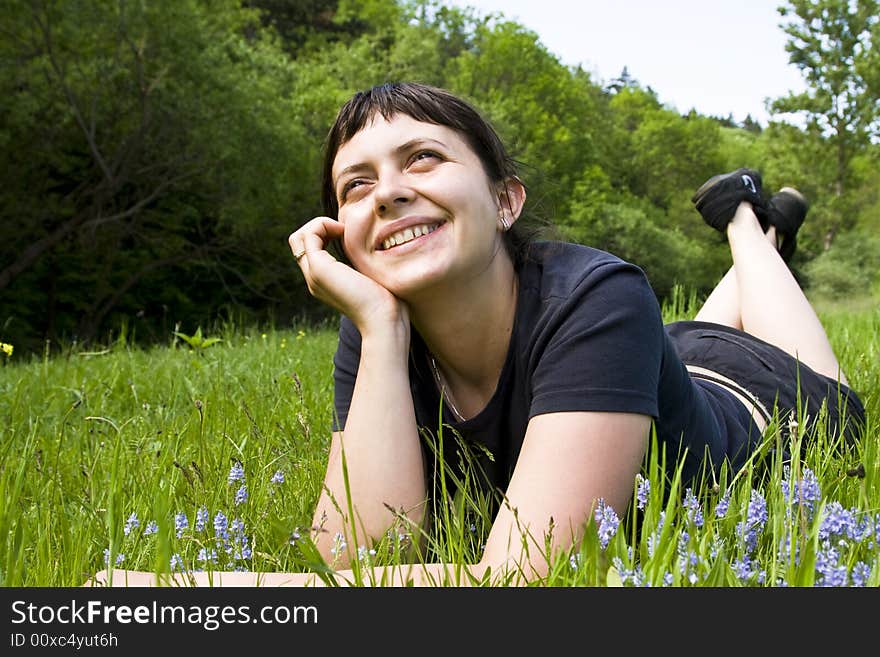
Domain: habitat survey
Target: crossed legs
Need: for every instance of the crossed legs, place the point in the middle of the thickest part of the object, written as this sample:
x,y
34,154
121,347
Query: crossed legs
x,y
759,295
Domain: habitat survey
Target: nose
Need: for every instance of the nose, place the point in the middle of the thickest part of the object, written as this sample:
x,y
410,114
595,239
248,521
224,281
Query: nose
x,y
391,191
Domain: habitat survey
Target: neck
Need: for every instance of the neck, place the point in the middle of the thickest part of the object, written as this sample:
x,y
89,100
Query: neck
x,y
467,330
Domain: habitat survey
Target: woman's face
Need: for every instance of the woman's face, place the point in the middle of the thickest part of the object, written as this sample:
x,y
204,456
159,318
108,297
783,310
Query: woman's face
x,y
417,206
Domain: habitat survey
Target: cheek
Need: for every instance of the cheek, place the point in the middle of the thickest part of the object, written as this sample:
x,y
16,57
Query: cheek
x,y
466,195
354,240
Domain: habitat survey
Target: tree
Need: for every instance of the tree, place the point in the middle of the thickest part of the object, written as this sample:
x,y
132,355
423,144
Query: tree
x,y
553,118
623,81
751,125
660,154
833,43
142,142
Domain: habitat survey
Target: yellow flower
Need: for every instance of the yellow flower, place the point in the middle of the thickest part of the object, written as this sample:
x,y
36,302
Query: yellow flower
x,y
6,349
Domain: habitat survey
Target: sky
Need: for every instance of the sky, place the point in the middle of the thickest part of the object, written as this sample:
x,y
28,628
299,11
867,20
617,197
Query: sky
x,y
715,56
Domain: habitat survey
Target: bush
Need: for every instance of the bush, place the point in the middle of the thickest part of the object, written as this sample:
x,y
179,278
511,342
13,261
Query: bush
x,y
849,268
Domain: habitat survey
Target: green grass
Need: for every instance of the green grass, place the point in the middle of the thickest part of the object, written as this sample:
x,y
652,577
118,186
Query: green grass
x,y
91,437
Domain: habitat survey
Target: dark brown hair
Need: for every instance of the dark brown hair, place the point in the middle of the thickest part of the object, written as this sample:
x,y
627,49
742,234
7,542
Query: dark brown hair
x,y
430,105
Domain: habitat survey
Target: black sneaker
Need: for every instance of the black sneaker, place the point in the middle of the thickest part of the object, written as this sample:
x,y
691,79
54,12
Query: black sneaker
x,y
718,198
786,211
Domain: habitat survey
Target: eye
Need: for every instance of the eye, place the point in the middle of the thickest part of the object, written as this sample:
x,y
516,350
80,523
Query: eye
x,y
424,156
350,186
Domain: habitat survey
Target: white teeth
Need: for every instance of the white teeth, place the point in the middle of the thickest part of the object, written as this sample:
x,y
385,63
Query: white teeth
x,y
407,235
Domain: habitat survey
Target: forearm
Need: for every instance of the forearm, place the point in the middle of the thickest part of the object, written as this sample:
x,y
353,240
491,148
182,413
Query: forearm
x,y
431,574
376,463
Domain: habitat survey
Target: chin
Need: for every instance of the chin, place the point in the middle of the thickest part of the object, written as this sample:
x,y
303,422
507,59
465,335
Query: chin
x,y
413,281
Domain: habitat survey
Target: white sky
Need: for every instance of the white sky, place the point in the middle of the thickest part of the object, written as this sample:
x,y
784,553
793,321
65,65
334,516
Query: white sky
x,y
716,56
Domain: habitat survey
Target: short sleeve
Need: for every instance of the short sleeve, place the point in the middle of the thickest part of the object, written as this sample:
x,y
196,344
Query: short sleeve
x,y
345,367
601,348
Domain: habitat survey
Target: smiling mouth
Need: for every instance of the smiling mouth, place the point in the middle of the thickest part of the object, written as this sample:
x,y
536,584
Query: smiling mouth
x,y
407,235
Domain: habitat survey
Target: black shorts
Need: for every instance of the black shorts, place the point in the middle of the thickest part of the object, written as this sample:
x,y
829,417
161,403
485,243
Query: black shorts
x,y
779,381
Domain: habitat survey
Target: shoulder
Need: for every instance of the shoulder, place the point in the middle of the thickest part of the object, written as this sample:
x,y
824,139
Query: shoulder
x,y
564,270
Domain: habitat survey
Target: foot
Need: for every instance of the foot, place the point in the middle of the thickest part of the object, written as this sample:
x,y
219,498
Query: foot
x,y
718,198
786,211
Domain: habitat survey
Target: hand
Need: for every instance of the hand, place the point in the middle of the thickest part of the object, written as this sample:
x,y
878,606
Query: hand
x,y
340,286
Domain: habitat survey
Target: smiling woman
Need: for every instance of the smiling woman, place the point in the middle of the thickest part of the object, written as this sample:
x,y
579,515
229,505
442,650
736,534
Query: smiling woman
x,y
550,357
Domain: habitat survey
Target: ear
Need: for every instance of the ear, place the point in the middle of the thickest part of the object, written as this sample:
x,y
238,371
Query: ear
x,y
511,199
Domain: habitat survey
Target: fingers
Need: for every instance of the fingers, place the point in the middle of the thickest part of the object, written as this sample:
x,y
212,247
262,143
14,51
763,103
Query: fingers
x,y
338,284
319,267
314,237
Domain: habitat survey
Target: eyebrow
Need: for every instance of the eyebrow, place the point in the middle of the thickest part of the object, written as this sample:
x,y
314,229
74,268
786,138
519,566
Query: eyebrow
x,y
412,143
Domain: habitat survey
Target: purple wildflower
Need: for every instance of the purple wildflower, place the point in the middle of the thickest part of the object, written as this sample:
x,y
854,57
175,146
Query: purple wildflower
x,y
805,493
176,563
236,473
694,512
828,567
180,523
278,477
723,505
743,569
643,491
628,575
683,540
757,514
131,523
863,529
838,522
241,495
201,519
151,528
244,553
860,574
119,557
205,556
221,526
753,525
339,544
655,536
608,522
364,554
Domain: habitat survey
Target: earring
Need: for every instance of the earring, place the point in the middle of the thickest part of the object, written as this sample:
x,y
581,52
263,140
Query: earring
x,y
505,223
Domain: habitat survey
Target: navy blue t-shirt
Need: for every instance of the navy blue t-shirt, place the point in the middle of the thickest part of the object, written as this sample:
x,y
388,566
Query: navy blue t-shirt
x,y
587,336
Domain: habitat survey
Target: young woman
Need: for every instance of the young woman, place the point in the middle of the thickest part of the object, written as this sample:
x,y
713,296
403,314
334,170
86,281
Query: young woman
x,y
552,357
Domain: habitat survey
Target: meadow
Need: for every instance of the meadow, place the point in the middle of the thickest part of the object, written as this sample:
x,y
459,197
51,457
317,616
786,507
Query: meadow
x,y
208,453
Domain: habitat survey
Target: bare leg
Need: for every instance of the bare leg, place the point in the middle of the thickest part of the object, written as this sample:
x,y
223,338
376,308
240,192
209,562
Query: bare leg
x,y
772,305
722,304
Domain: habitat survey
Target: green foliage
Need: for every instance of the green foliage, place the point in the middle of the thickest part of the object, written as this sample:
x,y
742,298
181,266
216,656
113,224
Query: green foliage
x,y
664,155
850,268
158,141
552,118
157,156
834,45
197,341
636,231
